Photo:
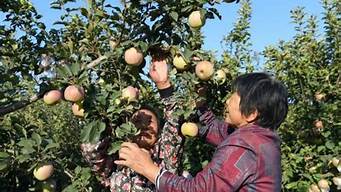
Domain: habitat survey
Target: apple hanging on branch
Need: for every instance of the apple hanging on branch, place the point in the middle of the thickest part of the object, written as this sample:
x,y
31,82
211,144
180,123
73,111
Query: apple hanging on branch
x,y
133,56
204,70
43,171
52,97
189,129
196,19
74,93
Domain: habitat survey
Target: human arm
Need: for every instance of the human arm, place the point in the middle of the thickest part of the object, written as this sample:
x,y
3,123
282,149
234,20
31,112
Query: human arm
x,y
100,162
230,166
213,129
169,145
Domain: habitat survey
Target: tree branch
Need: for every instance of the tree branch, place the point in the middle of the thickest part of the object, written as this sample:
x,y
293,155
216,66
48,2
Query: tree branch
x,y
21,104
96,61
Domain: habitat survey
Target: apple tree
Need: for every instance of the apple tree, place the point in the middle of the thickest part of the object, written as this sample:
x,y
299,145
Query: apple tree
x,y
85,77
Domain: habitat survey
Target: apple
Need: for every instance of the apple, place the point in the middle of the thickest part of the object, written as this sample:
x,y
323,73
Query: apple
x,y
318,124
77,110
320,96
220,76
133,56
179,62
130,94
52,97
324,185
74,93
337,182
313,188
189,129
196,20
43,171
204,70
335,161
48,186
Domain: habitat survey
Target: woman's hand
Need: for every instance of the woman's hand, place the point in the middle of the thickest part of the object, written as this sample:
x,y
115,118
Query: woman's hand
x,y
137,159
159,72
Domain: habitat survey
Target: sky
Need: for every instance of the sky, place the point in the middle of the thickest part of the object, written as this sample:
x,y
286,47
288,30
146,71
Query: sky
x,y
270,20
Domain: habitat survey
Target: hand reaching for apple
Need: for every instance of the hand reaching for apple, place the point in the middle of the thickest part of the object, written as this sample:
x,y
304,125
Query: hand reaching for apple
x,y
159,72
137,159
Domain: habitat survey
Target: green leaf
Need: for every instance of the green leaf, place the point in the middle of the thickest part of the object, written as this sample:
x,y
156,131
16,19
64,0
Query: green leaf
x,y
4,160
84,12
115,147
126,129
23,158
36,138
92,132
26,142
51,146
75,68
64,71
330,145
174,15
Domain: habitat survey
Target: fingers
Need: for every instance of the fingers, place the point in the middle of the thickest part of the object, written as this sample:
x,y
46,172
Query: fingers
x,y
129,145
121,162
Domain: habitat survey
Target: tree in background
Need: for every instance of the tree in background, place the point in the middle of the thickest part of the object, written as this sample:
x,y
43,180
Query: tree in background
x,y
92,69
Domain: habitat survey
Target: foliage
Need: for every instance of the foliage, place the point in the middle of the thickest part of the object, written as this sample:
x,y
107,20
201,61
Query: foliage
x,y
309,64
86,47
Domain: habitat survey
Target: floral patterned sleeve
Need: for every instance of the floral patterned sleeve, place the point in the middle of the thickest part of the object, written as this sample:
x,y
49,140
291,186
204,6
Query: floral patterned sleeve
x,y
169,147
97,157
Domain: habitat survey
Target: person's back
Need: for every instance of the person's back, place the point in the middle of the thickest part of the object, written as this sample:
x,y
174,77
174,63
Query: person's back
x,y
265,174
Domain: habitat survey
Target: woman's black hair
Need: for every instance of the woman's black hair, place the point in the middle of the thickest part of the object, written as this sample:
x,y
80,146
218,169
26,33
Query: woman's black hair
x,y
158,113
262,93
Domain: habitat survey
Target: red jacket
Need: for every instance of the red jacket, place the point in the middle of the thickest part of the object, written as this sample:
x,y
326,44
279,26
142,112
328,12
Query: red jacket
x,y
247,159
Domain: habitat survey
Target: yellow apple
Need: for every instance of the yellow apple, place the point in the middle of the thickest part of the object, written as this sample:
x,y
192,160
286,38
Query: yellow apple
x,y
313,188
324,185
52,97
130,94
335,161
43,171
220,76
204,70
189,129
74,93
337,182
179,62
133,56
196,20
77,110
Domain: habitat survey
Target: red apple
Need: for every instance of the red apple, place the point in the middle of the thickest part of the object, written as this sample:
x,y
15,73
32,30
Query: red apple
x,y
52,97
74,93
